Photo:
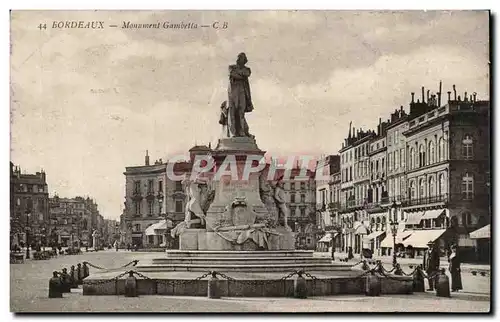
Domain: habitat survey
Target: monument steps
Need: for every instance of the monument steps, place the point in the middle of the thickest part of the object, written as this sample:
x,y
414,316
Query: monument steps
x,y
238,254
241,261
243,267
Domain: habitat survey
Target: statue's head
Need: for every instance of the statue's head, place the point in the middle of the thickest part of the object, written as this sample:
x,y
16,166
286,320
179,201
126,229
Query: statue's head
x,y
242,59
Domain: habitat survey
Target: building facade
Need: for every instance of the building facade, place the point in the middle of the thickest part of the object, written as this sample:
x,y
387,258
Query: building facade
x,y
429,173
29,208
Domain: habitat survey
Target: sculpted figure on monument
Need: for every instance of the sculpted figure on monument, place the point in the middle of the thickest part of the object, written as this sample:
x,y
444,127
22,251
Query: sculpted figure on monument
x,y
239,98
267,196
194,192
279,197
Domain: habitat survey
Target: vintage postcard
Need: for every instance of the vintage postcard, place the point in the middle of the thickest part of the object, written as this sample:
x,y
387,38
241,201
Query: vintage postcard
x,y
250,161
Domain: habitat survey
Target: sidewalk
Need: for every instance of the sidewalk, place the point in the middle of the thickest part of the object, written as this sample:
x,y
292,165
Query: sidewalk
x,y
465,267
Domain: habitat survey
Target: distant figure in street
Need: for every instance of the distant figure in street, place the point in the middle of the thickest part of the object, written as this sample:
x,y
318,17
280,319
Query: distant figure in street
x,y
454,268
116,245
349,253
431,264
128,247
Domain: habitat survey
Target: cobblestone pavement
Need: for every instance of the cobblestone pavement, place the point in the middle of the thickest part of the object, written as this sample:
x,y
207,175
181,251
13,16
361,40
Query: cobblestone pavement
x,y
29,290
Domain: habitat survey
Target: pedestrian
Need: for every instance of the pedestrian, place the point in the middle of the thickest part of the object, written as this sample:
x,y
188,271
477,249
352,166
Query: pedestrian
x,y
349,253
431,264
454,268
128,247
116,245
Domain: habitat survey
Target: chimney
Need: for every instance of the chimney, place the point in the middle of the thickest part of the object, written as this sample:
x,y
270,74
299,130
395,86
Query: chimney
x,y
439,94
413,97
401,111
474,94
454,92
470,98
465,97
353,132
449,96
423,97
146,158
459,99
428,95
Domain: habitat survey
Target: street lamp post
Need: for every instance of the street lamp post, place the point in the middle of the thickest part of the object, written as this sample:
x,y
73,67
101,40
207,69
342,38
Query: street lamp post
x,y
394,231
28,234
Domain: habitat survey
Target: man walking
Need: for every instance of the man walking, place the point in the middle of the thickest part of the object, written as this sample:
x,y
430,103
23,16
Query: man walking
x,y
431,264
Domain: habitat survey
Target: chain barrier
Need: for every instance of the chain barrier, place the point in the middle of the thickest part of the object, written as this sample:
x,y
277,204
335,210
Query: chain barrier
x,y
262,282
106,281
184,282
134,262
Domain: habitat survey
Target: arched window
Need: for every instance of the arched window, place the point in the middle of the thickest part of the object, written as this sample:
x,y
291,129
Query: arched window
x,y
432,190
421,191
442,185
467,150
410,163
432,156
441,152
421,155
412,189
467,186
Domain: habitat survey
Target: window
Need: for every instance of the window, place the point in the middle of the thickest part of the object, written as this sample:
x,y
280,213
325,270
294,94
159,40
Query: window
x,y
383,165
137,187
441,149
150,207
431,152
467,186
355,154
350,173
402,158
292,185
292,198
292,211
422,188
137,207
421,156
410,161
150,186
303,212
302,186
30,188
389,159
467,147
442,188
178,206
431,187
412,190
137,227
178,186
151,239
160,186
302,198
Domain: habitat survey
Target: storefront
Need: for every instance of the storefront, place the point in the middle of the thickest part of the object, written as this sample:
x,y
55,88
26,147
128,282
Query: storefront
x,y
416,244
483,247
388,242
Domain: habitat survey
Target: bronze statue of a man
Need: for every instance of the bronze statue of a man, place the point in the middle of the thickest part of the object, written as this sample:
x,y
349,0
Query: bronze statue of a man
x,y
239,99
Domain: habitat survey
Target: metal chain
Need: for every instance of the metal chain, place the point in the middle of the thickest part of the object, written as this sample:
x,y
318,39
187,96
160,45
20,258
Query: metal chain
x,y
174,282
106,281
135,261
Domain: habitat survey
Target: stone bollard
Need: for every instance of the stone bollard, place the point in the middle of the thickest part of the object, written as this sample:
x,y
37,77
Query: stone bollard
x,y
74,277
55,287
373,286
131,285
365,266
86,272
213,287
300,286
398,270
443,285
65,281
418,280
79,272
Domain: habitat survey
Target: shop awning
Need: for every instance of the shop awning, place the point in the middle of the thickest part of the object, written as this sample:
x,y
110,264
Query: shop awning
x,y
360,228
374,235
326,239
433,214
414,218
400,237
156,227
483,232
420,238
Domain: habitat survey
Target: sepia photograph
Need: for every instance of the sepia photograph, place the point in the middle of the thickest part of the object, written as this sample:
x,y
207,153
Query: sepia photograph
x,y
269,161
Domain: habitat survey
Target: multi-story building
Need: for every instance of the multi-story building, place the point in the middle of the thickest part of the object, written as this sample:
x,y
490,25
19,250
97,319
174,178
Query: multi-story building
x,y
152,196
29,208
70,221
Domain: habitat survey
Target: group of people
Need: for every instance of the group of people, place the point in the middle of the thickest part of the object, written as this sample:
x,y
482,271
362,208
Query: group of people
x,y
431,266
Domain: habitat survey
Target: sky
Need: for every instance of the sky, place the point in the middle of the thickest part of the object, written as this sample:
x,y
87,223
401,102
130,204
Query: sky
x,y
85,104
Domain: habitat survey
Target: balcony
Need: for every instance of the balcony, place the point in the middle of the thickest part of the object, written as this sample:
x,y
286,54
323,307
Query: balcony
x,y
136,195
334,206
426,200
321,206
150,195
